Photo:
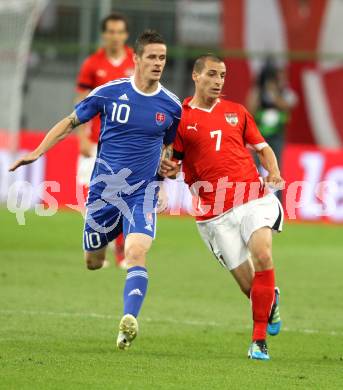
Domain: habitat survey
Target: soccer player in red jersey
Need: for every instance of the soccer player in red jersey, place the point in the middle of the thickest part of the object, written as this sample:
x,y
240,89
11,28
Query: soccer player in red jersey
x,y
112,61
236,214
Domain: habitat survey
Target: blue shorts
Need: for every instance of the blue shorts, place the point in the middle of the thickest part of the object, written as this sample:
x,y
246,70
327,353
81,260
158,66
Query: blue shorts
x,y
127,214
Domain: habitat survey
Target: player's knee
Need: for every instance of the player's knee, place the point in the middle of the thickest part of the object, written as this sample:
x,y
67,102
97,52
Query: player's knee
x,y
92,265
263,257
135,254
94,262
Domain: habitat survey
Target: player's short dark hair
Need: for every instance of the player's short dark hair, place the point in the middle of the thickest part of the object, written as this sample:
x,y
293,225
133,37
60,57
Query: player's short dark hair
x,y
114,17
147,37
199,63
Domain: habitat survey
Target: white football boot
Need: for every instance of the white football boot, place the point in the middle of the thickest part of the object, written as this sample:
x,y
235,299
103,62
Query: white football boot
x,y
128,329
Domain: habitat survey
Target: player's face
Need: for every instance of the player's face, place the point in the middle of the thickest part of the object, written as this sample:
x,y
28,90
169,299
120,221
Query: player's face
x,y
209,83
151,63
115,35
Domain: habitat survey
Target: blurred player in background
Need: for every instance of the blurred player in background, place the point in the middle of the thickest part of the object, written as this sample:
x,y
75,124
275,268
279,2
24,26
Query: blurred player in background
x,y
114,60
236,214
138,117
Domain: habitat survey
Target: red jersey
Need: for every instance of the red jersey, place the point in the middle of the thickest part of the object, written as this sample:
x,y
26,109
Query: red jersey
x,y
98,69
213,147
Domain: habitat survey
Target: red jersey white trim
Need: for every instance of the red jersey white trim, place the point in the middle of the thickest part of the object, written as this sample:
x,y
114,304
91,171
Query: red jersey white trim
x,y
205,109
217,165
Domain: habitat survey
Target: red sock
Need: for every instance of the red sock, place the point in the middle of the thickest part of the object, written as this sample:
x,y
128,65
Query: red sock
x,y
262,298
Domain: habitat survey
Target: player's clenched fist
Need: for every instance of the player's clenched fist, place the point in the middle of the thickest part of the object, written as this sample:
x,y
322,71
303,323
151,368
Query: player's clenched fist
x,y
169,168
275,180
27,159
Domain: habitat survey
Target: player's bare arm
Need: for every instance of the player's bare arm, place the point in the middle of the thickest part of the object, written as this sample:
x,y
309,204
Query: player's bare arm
x,y
167,152
269,163
60,131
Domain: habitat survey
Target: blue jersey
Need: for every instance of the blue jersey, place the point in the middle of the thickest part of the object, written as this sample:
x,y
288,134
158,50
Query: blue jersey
x,y
134,126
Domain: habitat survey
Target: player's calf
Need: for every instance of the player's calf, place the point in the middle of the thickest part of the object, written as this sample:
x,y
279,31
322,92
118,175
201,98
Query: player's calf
x,y
136,247
244,275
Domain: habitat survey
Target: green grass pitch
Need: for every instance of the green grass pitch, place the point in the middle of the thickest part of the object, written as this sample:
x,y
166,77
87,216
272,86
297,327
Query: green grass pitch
x,y
58,321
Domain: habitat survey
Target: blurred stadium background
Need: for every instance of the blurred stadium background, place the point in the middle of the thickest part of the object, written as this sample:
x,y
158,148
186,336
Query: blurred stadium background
x,y
300,36
38,88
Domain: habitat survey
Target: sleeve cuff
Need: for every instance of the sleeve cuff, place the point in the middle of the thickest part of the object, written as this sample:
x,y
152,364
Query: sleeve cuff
x,y
257,147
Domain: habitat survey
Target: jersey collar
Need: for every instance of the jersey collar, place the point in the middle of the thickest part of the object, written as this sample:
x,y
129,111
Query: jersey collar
x,y
188,99
143,93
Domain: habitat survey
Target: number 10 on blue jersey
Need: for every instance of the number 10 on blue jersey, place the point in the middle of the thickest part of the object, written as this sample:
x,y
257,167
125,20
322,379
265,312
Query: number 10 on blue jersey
x,y
120,113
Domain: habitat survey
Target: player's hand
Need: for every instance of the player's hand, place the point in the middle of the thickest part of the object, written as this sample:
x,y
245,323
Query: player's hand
x,y
25,160
162,202
169,168
274,180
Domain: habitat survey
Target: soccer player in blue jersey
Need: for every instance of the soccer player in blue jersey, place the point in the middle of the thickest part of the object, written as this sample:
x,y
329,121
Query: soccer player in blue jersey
x,y
139,118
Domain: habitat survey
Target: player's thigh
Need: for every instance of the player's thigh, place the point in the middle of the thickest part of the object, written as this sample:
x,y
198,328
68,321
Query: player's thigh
x,y
222,236
136,247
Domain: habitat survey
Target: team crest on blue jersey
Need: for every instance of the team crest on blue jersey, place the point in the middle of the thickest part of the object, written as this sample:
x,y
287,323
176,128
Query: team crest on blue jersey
x,y
231,118
160,118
